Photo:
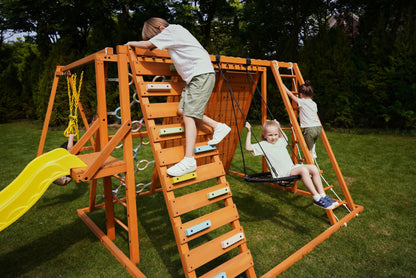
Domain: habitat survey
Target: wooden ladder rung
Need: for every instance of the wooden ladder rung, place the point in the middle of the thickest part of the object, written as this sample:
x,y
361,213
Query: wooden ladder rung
x,y
173,155
183,178
204,172
158,135
211,250
233,267
217,219
288,75
158,87
198,199
204,148
162,132
161,110
174,90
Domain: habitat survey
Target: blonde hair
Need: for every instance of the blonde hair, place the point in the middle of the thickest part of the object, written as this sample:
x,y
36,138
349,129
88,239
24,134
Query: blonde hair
x,y
266,125
151,27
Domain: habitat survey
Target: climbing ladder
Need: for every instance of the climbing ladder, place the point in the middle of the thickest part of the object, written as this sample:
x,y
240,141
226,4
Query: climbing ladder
x,y
295,76
200,204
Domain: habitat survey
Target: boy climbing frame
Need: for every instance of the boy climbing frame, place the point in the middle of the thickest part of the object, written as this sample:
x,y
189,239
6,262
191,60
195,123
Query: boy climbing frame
x,y
216,162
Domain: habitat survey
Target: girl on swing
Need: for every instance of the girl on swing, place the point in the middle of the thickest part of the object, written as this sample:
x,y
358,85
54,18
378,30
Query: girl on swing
x,y
273,146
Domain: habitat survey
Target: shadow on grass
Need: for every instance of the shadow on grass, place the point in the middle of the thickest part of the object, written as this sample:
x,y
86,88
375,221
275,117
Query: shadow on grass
x,y
251,210
24,259
155,221
258,202
78,189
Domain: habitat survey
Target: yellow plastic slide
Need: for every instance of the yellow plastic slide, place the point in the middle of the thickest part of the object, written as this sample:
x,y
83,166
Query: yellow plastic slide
x,y
19,196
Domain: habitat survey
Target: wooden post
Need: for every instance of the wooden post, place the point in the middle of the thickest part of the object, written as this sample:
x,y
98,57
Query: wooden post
x,y
123,79
49,110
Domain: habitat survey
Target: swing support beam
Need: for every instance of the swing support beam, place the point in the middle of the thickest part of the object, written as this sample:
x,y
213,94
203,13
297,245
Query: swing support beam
x,y
354,209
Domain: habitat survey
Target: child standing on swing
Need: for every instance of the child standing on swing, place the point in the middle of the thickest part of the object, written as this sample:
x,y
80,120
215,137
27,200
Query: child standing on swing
x,y
193,64
273,146
308,115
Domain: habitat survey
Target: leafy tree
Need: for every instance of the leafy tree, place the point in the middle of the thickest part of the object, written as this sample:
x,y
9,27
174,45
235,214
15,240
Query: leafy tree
x,y
363,79
17,66
384,29
332,75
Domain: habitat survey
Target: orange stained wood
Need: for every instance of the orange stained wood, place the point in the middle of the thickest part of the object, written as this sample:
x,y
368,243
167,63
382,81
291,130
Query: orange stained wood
x,y
111,246
230,102
169,149
278,269
124,92
198,199
102,156
109,167
58,72
234,266
212,249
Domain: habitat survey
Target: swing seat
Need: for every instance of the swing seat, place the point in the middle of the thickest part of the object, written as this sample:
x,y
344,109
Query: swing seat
x,y
267,177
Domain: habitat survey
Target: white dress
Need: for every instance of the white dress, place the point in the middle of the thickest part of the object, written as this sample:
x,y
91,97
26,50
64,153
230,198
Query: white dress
x,y
277,155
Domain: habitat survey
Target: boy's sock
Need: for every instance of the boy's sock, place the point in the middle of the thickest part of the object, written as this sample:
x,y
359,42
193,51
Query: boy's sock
x,y
323,195
317,197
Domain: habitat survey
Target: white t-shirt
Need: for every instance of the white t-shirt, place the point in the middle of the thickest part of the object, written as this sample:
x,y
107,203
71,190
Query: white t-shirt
x,y
308,113
188,55
277,154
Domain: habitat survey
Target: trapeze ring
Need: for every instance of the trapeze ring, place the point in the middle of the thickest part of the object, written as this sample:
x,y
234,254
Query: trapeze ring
x,y
131,82
136,123
144,143
115,113
159,76
135,98
145,166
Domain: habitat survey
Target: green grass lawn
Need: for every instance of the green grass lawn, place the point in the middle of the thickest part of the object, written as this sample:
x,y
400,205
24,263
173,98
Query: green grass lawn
x,y
51,241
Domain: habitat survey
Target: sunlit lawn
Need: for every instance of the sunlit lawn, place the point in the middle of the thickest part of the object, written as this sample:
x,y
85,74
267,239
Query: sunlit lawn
x,y
51,241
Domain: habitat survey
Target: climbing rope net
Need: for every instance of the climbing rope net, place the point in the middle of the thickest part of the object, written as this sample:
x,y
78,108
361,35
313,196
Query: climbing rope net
x,y
141,164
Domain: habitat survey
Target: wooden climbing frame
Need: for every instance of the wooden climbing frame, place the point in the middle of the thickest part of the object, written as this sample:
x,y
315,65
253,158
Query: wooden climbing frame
x,y
185,196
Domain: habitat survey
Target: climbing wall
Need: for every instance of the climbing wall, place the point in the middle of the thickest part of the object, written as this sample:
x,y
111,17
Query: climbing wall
x,y
205,220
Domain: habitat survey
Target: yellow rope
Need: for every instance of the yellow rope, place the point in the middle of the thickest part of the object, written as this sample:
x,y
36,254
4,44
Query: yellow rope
x,y
73,105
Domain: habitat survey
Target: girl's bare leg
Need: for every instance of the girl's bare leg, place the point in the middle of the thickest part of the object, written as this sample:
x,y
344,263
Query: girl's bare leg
x,y
306,171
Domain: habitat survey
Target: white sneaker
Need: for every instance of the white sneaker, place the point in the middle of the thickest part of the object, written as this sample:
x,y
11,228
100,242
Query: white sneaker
x,y
185,166
219,133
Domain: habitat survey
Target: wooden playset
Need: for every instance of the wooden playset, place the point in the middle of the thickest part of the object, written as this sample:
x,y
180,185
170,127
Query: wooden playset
x,y
198,203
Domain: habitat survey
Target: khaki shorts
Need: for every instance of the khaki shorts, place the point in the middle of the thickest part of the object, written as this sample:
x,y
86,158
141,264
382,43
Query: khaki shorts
x,y
311,134
196,94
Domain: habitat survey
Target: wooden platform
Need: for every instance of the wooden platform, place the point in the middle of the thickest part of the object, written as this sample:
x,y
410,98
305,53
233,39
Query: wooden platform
x,y
111,166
